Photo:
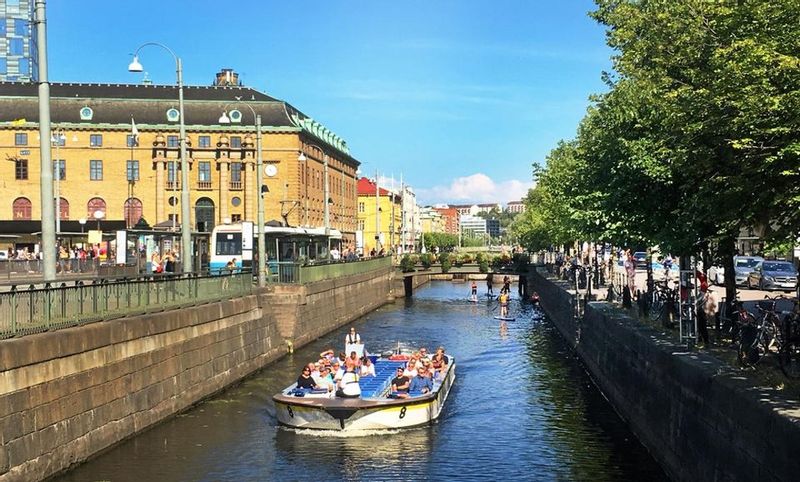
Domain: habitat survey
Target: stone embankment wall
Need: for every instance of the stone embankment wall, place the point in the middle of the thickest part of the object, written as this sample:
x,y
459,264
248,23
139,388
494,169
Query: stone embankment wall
x,y
69,394
698,417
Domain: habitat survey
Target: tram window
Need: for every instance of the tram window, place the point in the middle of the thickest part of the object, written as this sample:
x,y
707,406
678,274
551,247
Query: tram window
x,y
229,244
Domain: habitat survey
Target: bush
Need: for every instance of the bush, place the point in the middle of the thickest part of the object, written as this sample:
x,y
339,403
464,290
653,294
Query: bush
x,y
407,264
480,257
426,260
466,258
483,265
444,259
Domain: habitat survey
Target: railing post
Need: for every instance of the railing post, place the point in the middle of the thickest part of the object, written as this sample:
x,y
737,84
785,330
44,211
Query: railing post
x,y
47,301
13,307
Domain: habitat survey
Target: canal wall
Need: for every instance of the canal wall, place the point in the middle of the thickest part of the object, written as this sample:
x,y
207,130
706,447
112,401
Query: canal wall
x,y
697,416
69,394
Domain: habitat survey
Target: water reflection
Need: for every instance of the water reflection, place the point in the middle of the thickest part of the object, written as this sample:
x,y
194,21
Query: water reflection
x,y
522,408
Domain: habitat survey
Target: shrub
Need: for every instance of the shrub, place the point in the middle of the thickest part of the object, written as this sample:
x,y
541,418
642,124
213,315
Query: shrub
x,y
483,265
426,260
444,259
466,258
407,264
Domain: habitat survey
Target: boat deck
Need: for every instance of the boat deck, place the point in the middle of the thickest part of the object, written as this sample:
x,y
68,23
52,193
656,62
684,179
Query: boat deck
x,y
372,387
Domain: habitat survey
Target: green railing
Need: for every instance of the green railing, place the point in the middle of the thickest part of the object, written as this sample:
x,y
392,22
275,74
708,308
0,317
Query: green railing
x,y
37,310
309,273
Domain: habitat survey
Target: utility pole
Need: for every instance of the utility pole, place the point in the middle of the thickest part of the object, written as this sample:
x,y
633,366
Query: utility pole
x,y
48,246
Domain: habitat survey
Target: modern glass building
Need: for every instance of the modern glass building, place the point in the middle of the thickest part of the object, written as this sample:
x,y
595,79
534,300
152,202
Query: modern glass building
x,y
18,48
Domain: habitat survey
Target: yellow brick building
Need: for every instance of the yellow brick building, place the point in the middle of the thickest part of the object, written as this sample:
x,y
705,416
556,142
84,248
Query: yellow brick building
x,y
383,231
102,168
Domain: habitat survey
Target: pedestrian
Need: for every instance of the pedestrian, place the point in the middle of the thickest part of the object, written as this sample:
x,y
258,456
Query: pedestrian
x,y
630,270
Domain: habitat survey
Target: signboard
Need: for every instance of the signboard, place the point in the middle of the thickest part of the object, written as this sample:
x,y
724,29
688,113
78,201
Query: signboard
x,y
95,236
122,247
247,235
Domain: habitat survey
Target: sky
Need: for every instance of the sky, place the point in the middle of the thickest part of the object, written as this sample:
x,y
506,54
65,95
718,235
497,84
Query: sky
x,y
459,97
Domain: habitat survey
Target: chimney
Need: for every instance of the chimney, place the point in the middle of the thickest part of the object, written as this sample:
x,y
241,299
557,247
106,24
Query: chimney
x,y
227,77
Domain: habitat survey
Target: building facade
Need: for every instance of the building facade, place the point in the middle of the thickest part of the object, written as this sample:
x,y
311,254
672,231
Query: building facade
x,y
380,218
102,163
450,218
431,220
18,44
411,229
474,226
515,207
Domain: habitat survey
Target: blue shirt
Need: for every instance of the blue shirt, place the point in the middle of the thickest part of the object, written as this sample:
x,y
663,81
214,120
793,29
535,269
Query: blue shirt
x,y
419,383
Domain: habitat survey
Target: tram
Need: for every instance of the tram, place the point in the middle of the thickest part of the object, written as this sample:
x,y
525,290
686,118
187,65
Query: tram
x,y
234,242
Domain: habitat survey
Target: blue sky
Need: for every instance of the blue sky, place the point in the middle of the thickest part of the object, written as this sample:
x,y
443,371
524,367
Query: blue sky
x,y
460,96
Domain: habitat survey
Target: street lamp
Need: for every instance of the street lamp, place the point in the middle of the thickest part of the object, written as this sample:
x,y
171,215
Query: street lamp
x,y
58,138
98,215
325,195
262,189
82,222
186,233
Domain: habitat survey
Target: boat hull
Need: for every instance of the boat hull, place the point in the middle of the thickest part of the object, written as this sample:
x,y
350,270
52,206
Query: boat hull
x,y
344,414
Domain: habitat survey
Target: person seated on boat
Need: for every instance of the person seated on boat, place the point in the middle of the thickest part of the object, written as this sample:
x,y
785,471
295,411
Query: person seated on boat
x,y
367,369
337,370
325,380
305,380
353,360
503,300
352,337
439,363
342,358
348,385
400,385
423,353
422,383
411,368
314,369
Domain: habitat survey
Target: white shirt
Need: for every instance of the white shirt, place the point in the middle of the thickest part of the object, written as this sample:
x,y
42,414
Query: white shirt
x,y
367,370
349,384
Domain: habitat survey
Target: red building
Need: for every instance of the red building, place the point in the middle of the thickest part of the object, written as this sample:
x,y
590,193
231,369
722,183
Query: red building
x,y
450,217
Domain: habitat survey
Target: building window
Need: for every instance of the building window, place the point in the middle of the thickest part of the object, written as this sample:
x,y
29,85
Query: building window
x,y
64,209
22,209
360,224
15,46
21,169
133,211
172,141
204,171
236,218
236,171
132,141
204,141
361,207
172,169
60,169
20,139
95,140
95,204
132,170
236,142
236,201
96,170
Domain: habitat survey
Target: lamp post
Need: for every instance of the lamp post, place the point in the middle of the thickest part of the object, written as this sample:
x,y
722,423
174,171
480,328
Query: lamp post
x,y
57,138
262,189
82,222
326,196
98,215
186,233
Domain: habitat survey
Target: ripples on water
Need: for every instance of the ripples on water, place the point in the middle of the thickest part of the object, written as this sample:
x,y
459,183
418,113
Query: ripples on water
x,y
522,408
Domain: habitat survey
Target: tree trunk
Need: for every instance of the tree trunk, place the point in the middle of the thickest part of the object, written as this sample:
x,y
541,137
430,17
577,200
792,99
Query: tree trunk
x,y
726,251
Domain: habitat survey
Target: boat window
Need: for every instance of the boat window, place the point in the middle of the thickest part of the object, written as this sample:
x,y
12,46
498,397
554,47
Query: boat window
x,y
229,244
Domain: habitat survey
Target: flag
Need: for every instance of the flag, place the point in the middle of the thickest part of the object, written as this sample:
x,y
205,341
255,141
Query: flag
x,y
19,122
134,134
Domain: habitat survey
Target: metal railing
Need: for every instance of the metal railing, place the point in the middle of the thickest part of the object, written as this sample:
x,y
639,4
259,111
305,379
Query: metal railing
x,y
290,272
22,271
47,308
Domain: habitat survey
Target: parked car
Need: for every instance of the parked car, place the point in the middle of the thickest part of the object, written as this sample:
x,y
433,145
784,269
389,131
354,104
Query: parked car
x,y
641,259
3,256
773,275
743,265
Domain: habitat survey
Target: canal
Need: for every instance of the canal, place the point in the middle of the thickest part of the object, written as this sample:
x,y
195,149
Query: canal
x,y
522,408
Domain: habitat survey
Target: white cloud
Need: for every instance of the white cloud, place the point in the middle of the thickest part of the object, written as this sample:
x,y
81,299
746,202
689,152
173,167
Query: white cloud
x,y
475,188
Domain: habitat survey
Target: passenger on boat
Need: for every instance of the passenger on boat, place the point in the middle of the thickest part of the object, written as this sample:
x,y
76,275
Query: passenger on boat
x,y
367,369
348,385
337,370
328,354
421,383
352,337
439,363
423,353
411,367
353,360
314,369
305,380
325,379
399,385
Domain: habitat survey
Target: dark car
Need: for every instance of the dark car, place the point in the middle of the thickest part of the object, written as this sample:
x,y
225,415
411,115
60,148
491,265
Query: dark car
x,y
773,275
640,257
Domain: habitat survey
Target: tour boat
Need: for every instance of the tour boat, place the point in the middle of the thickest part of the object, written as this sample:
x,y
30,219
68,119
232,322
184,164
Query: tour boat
x,y
374,410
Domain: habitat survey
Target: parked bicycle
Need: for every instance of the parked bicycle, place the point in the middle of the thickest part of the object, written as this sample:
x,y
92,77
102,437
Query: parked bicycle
x,y
789,356
663,303
758,339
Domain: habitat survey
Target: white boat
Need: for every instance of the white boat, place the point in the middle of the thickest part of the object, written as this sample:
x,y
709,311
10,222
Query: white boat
x,y
374,410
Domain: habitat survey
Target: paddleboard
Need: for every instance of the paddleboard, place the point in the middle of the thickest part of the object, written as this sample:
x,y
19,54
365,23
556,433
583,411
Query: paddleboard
x,y
504,318
471,300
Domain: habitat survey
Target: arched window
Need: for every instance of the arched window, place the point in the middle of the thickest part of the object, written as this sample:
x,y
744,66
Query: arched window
x,y
22,208
95,204
64,210
133,211
204,214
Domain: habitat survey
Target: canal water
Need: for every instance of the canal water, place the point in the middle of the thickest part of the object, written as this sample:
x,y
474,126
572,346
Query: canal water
x,y
522,408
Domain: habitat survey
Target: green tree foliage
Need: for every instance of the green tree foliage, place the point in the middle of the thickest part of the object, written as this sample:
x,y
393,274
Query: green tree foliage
x,y
443,241
445,261
697,137
407,263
